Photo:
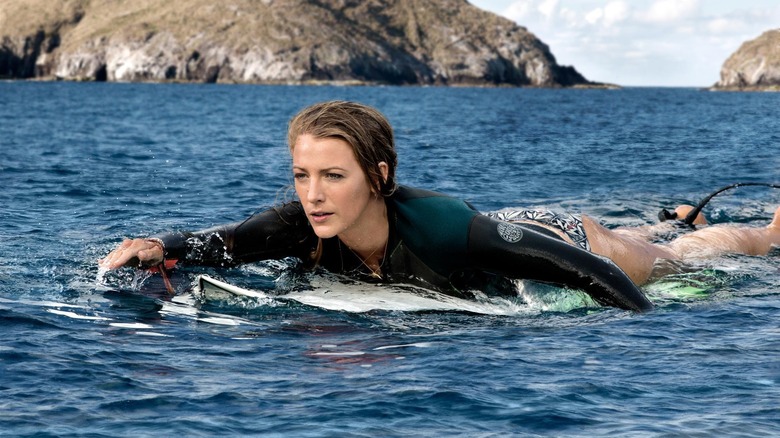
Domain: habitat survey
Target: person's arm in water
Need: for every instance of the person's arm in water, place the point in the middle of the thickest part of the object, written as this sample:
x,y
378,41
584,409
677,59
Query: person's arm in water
x,y
275,233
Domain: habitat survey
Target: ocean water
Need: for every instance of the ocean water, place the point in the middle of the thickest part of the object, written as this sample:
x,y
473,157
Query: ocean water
x,y
88,353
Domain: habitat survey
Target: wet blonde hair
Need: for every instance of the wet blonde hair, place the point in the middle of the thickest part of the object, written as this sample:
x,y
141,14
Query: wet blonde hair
x,y
365,129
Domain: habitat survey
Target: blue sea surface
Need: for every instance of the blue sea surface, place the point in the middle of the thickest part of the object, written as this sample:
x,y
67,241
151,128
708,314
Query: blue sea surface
x,y
89,353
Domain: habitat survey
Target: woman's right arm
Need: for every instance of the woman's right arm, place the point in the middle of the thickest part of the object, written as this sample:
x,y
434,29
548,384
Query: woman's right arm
x,y
275,233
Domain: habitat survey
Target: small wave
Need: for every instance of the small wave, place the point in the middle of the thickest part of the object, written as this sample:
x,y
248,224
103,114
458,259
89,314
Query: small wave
x,y
10,318
76,193
64,171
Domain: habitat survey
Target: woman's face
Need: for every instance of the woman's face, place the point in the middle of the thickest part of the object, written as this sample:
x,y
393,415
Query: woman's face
x,y
333,188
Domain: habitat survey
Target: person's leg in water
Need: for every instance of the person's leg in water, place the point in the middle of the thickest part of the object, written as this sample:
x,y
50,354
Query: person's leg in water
x,y
683,210
714,241
635,255
650,232
631,251
631,248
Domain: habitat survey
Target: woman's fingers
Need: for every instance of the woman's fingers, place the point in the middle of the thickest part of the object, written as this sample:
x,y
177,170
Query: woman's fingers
x,y
109,260
119,256
133,252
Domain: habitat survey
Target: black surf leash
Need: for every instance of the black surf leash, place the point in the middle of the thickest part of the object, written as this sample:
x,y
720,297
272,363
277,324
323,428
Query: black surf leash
x,y
665,215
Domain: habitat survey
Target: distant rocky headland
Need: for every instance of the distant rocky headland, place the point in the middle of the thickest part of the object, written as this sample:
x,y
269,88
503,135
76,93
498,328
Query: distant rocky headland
x,y
755,66
437,42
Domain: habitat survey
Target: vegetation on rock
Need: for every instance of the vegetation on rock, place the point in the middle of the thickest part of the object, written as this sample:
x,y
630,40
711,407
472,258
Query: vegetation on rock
x,y
447,42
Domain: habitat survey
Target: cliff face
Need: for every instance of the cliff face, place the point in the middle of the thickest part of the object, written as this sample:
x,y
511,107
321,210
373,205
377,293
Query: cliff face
x,y
755,66
273,41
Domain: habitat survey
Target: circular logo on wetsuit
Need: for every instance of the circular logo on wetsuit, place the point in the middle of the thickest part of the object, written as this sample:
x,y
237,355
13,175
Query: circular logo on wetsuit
x,y
510,232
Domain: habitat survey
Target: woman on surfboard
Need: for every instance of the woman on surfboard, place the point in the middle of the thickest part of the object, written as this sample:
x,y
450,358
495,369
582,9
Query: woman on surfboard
x,y
353,218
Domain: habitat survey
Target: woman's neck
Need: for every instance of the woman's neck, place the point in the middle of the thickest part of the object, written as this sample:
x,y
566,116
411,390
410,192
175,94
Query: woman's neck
x,y
368,238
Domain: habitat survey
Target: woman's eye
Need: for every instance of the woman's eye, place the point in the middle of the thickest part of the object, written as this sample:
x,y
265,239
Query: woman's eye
x,y
299,176
334,176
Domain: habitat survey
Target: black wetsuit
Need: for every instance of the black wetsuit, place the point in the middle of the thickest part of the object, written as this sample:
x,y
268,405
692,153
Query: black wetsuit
x,y
435,241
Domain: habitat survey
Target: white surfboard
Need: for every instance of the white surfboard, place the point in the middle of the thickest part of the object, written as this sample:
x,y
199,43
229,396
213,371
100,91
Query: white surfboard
x,y
208,286
362,297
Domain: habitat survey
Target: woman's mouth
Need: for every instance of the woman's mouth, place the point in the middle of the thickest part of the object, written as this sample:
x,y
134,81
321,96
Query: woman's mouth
x,y
319,216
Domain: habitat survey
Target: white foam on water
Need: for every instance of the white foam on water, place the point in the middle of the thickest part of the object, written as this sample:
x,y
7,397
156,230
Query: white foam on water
x,y
77,316
130,325
174,308
416,345
56,304
100,277
154,334
185,305
339,353
45,303
219,321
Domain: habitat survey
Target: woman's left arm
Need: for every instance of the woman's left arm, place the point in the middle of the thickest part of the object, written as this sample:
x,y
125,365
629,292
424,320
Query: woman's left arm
x,y
514,251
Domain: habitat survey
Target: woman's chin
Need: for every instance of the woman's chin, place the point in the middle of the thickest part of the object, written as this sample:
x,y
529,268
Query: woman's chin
x,y
323,232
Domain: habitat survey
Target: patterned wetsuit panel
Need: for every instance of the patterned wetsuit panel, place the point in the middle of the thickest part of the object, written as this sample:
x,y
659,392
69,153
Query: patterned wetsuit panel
x,y
569,224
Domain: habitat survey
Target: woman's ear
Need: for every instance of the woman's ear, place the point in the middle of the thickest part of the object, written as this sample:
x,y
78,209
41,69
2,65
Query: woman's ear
x,y
384,170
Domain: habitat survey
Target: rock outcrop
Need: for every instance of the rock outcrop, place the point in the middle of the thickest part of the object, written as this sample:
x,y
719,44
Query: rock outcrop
x,y
755,66
447,42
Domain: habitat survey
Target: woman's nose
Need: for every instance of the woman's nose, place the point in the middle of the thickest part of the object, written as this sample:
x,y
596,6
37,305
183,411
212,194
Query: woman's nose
x,y
314,192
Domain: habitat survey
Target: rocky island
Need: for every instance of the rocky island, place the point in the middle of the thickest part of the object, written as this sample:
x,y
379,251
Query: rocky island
x,y
437,42
754,67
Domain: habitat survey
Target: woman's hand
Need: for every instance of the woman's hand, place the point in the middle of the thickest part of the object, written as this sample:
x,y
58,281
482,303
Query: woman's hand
x,y
135,252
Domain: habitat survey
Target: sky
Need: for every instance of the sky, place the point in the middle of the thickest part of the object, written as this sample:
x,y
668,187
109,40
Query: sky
x,y
669,43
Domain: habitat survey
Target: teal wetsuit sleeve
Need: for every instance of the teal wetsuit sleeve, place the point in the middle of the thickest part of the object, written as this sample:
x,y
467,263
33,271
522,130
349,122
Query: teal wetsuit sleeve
x,y
272,234
514,251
